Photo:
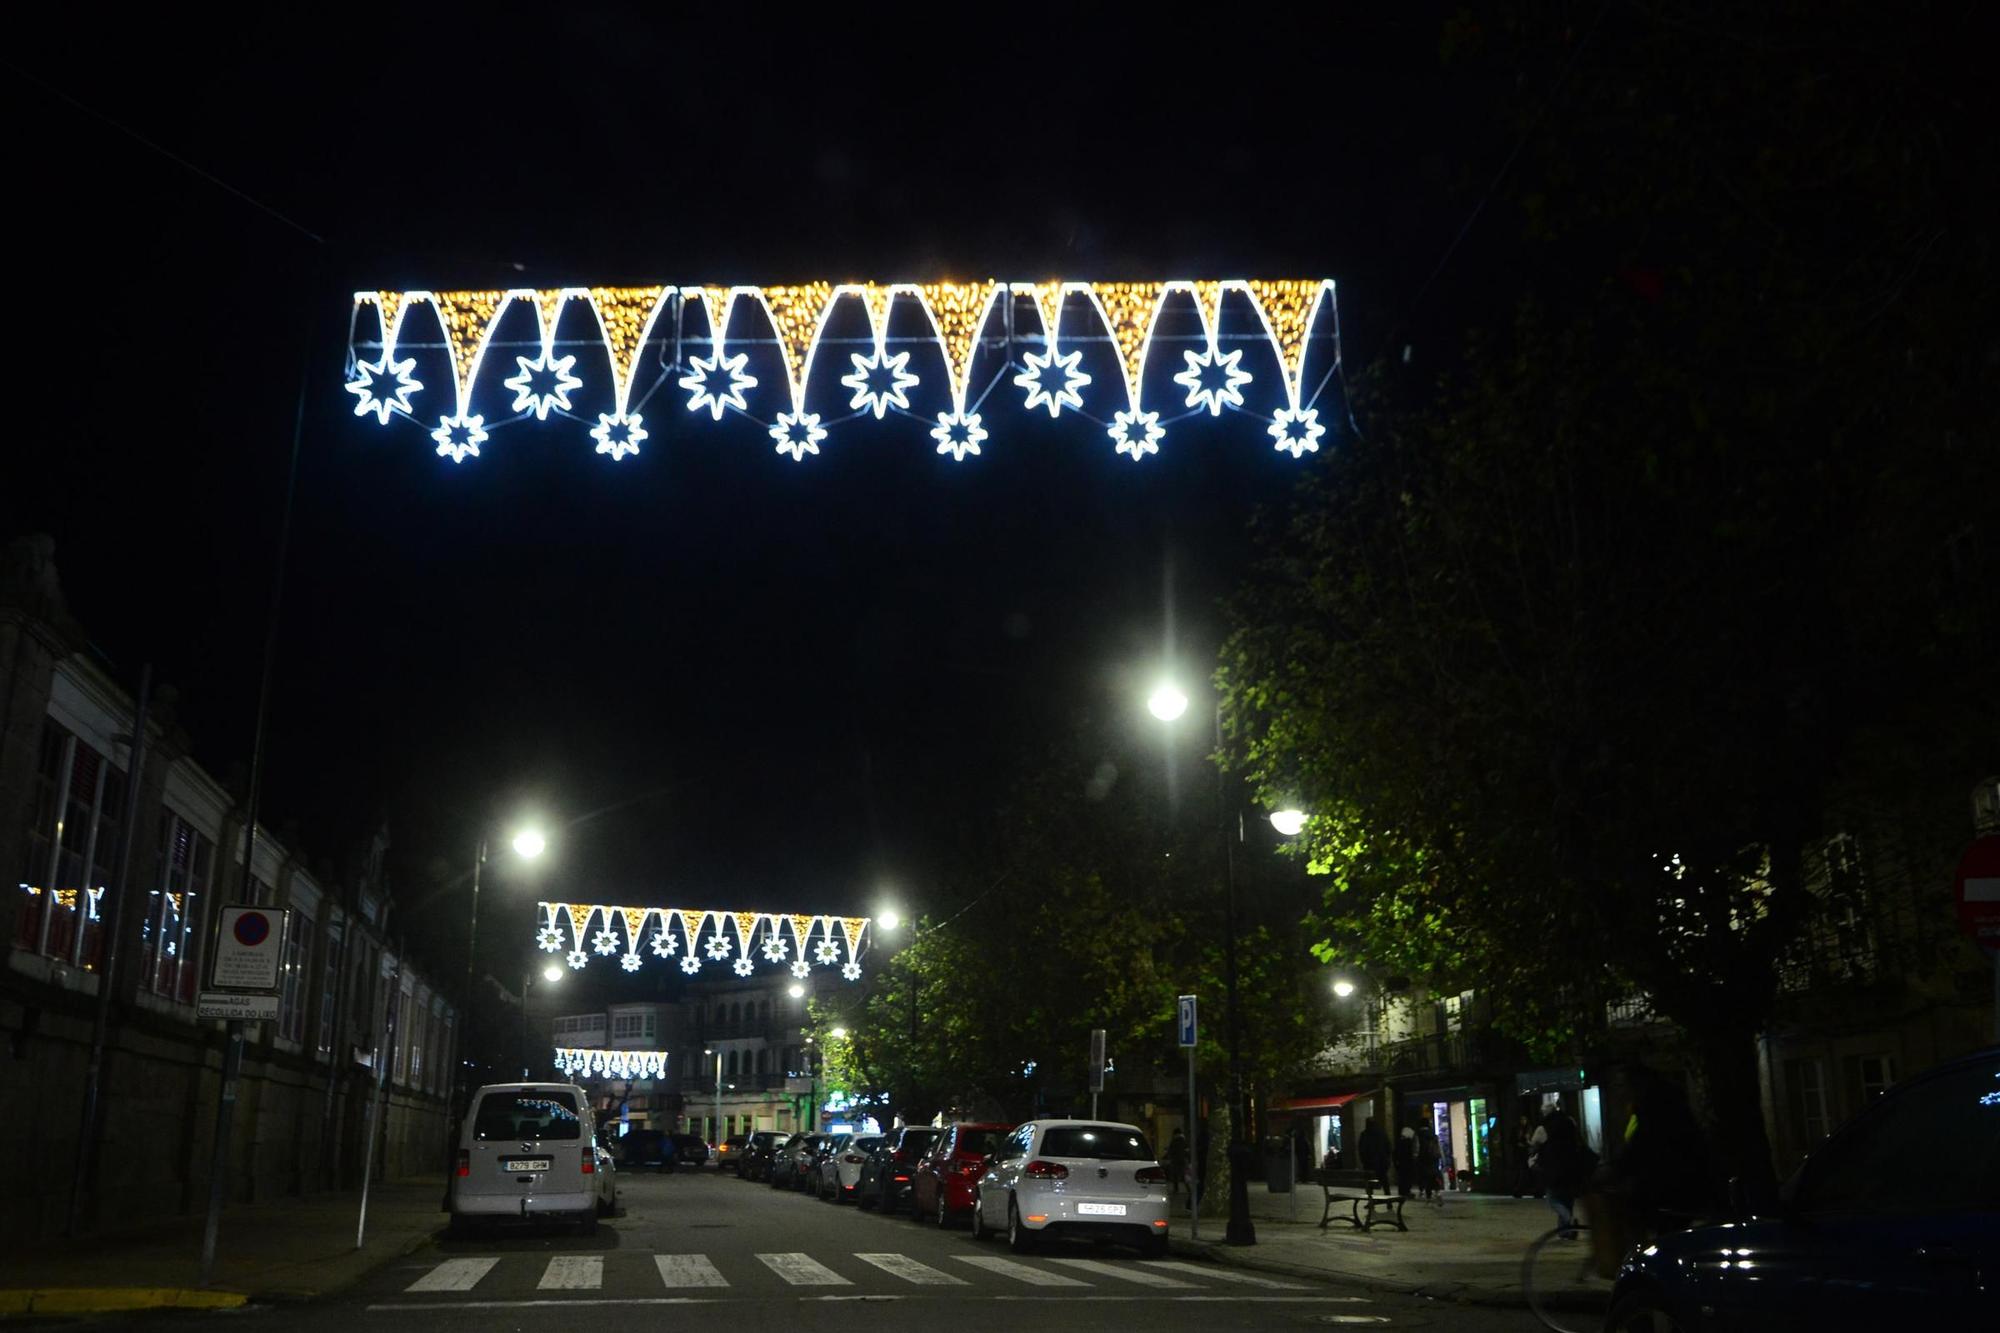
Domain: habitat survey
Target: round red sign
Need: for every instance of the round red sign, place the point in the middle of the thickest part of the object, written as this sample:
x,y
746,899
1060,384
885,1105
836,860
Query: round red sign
x,y
1979,892
252,929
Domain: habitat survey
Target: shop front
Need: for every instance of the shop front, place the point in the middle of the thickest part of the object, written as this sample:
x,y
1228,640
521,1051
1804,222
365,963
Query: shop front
x,y
1465,1120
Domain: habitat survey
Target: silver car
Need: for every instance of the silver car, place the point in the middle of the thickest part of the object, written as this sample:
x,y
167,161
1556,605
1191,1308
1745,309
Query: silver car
x,y
1074,1178
840,1169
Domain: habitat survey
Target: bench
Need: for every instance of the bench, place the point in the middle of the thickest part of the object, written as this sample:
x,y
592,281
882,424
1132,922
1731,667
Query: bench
x,y
1364,1196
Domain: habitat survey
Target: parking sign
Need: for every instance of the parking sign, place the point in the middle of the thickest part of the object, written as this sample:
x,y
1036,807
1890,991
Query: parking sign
x,y
1187,1023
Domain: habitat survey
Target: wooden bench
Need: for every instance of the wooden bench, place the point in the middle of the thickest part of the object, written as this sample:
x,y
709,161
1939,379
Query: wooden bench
x,y
1363,1195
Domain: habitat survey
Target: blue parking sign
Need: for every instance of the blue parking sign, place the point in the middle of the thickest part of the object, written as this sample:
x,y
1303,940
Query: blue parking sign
x,y
1187,1020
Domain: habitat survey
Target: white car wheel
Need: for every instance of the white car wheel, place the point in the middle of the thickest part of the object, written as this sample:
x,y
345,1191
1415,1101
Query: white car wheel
x,y
1019,1239
979,1231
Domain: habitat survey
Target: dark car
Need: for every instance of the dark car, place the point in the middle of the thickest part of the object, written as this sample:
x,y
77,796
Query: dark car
x,y
811,1158
1894,1222
755,1161
885,1177
690,1150
946,1181
788,1163
642,1148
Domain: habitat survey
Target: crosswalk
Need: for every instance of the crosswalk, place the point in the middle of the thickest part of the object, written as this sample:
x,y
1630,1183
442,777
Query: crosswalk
x,y
536,1278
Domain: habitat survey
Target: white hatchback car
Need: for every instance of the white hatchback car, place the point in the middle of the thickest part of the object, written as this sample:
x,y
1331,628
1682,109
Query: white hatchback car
x,y
1077,1178
527,1151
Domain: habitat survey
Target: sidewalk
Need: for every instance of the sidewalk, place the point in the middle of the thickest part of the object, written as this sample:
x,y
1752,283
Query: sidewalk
x,y
292,1249
1469,1250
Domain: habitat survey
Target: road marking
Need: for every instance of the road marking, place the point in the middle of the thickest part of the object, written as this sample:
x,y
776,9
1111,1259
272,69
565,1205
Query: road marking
x,y
802,1270
573,1272
453,1275
1019,1272
1123,1272
688,1270
908,1269
1221,1274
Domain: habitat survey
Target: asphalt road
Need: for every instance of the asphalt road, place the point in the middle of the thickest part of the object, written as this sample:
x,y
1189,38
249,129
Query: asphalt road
x,y
711,1252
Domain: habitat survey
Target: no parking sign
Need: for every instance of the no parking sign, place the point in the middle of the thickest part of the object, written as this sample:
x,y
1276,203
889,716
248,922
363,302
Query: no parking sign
x,y
249,946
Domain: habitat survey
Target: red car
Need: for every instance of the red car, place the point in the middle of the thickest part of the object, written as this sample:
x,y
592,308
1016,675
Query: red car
x,y
947,1176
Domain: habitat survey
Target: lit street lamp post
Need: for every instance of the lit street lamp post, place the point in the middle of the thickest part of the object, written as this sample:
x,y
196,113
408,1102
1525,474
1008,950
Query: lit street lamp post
x,y
528,844
890,919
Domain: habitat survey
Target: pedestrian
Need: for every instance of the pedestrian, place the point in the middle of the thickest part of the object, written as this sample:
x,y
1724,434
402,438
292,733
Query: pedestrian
x,y
1406,1161
1524,1148
1374,1152
1563,1163
1177,1160
1429,1157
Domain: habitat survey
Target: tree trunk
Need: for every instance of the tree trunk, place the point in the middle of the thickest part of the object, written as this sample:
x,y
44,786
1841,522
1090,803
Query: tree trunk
x,y
1732,1110
1215,1191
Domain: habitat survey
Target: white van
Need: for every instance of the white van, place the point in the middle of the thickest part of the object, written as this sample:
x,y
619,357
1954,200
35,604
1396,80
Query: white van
x,y
529,1151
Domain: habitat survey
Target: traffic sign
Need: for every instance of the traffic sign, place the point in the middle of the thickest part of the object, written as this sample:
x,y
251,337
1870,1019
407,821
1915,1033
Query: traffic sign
x,y
249,945
243,1008
1188,1024
1978,892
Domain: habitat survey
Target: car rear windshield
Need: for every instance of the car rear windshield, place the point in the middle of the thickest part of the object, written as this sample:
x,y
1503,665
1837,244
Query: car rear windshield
x,y
978,1142
529,1114
916,1140
1100,1141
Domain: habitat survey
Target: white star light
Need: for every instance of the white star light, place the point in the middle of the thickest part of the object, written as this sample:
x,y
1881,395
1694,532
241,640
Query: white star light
x,y
958,434
878,395
826,951
630,962
1137,432
706,384
1052,381
775,950
373,378
718,946
549,939
664,944
744,967
618,433
801,968
1297,430
1212,380
690,964
460,435
852,971
604,942
797,433
577,958
541,402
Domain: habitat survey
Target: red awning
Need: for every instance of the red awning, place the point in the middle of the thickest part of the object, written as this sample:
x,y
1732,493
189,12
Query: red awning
x,y
1314,1103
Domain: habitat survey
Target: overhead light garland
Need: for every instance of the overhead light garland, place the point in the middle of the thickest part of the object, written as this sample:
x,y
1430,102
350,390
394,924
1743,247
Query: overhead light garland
x,y
589,1062
695,937
968,323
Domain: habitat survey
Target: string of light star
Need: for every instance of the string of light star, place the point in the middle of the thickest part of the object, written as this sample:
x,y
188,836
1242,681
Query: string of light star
x,y
693,937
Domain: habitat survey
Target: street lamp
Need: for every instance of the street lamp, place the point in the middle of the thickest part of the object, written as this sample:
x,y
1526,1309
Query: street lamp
x,y
551,974
796,990
838,1034
890,919
1289,822
1167,703
715,1120
528,844
1343,988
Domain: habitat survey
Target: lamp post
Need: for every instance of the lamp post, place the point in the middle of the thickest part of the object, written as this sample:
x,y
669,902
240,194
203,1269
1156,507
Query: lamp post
x,y
528,844
715,1116
1168,702
890,919
550,975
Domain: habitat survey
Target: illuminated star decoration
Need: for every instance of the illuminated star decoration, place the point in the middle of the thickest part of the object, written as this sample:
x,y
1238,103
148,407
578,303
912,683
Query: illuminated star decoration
x,y
958,434
664,944
1053,380
630,962
1213,379
744,967
1297,429
577,958
718,947
1137,433
550,939
690,964
543,385
775,949
801,968
826,951
617,434
717,382
460,435
604,942
879,382
852,971
797,433
375,376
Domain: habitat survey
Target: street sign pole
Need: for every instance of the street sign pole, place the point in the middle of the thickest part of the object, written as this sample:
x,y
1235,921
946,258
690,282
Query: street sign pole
x,y
1096,1068
1188,1028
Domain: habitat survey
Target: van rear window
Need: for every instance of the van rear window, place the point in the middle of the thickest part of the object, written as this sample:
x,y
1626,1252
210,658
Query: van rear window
x,y
528,1114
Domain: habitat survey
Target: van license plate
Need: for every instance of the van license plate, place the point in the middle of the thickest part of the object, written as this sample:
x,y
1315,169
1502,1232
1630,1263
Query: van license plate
x,y
542,1164
1101,1209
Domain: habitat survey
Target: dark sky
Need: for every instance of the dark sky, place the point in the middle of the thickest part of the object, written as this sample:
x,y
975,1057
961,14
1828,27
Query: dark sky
x,y
815,674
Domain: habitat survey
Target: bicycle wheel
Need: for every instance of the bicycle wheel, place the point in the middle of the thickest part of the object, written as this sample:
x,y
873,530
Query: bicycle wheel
x,y
1557,1276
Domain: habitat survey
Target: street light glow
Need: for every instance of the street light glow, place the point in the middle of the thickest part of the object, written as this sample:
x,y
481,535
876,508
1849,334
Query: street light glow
x,y
529,843
797,991
838,1034
1166,702
553,972
889,919
1343,988
1288,821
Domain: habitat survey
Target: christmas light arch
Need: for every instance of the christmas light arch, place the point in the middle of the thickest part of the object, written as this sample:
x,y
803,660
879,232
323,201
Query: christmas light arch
x,y
691,938
1296,319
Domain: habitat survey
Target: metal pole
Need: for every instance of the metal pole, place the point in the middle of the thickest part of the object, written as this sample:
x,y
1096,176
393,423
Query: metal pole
x,y
715,1118
1194,1158
109,930
1239,1230
526,978
390,1017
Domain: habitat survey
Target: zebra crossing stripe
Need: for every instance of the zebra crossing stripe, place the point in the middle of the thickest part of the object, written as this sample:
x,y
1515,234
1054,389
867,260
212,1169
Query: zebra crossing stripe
x,y
1034,1277
802,1270
453,1275
908,1269
1123,1274
1221,1274
688,1270
573,1272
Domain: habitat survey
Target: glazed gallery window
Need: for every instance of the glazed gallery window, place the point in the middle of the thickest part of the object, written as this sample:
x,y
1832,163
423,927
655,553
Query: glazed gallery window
x,y
171,939
76,808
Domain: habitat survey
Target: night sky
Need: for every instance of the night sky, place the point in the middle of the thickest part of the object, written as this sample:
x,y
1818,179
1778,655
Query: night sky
x,y
798,682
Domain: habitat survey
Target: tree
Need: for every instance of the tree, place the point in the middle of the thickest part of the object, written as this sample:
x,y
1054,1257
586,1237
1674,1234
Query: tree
x,y
1582,650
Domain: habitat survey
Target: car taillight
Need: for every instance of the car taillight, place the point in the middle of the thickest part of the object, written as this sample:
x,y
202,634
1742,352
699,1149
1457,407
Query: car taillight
x,y
901,1179
971,1168
853,1158
1151,1175
589,1163
1040,1170
464,1162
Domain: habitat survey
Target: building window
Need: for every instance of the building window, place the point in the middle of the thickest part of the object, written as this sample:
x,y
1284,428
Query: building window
x,y
329,991
1873,1075
1805,1090
78,803
294,993
170,947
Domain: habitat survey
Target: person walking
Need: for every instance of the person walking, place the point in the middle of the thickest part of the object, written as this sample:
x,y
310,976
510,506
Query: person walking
x,y
1406,1161
1563,1163
1524,1149
1177,1161
1430,1158
1374,1152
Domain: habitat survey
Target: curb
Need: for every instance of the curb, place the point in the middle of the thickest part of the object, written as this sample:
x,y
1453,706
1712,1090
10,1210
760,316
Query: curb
x,y
1458,1293
111,1300
300,1295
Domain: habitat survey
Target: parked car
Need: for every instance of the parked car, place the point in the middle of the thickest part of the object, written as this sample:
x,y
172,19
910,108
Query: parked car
x,y
1892,1222
691,1150
885,1181
529,1151
1074,1177
840,1172
643,1148
785,1162
729,1151
755,1162
942,1188
810,1160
